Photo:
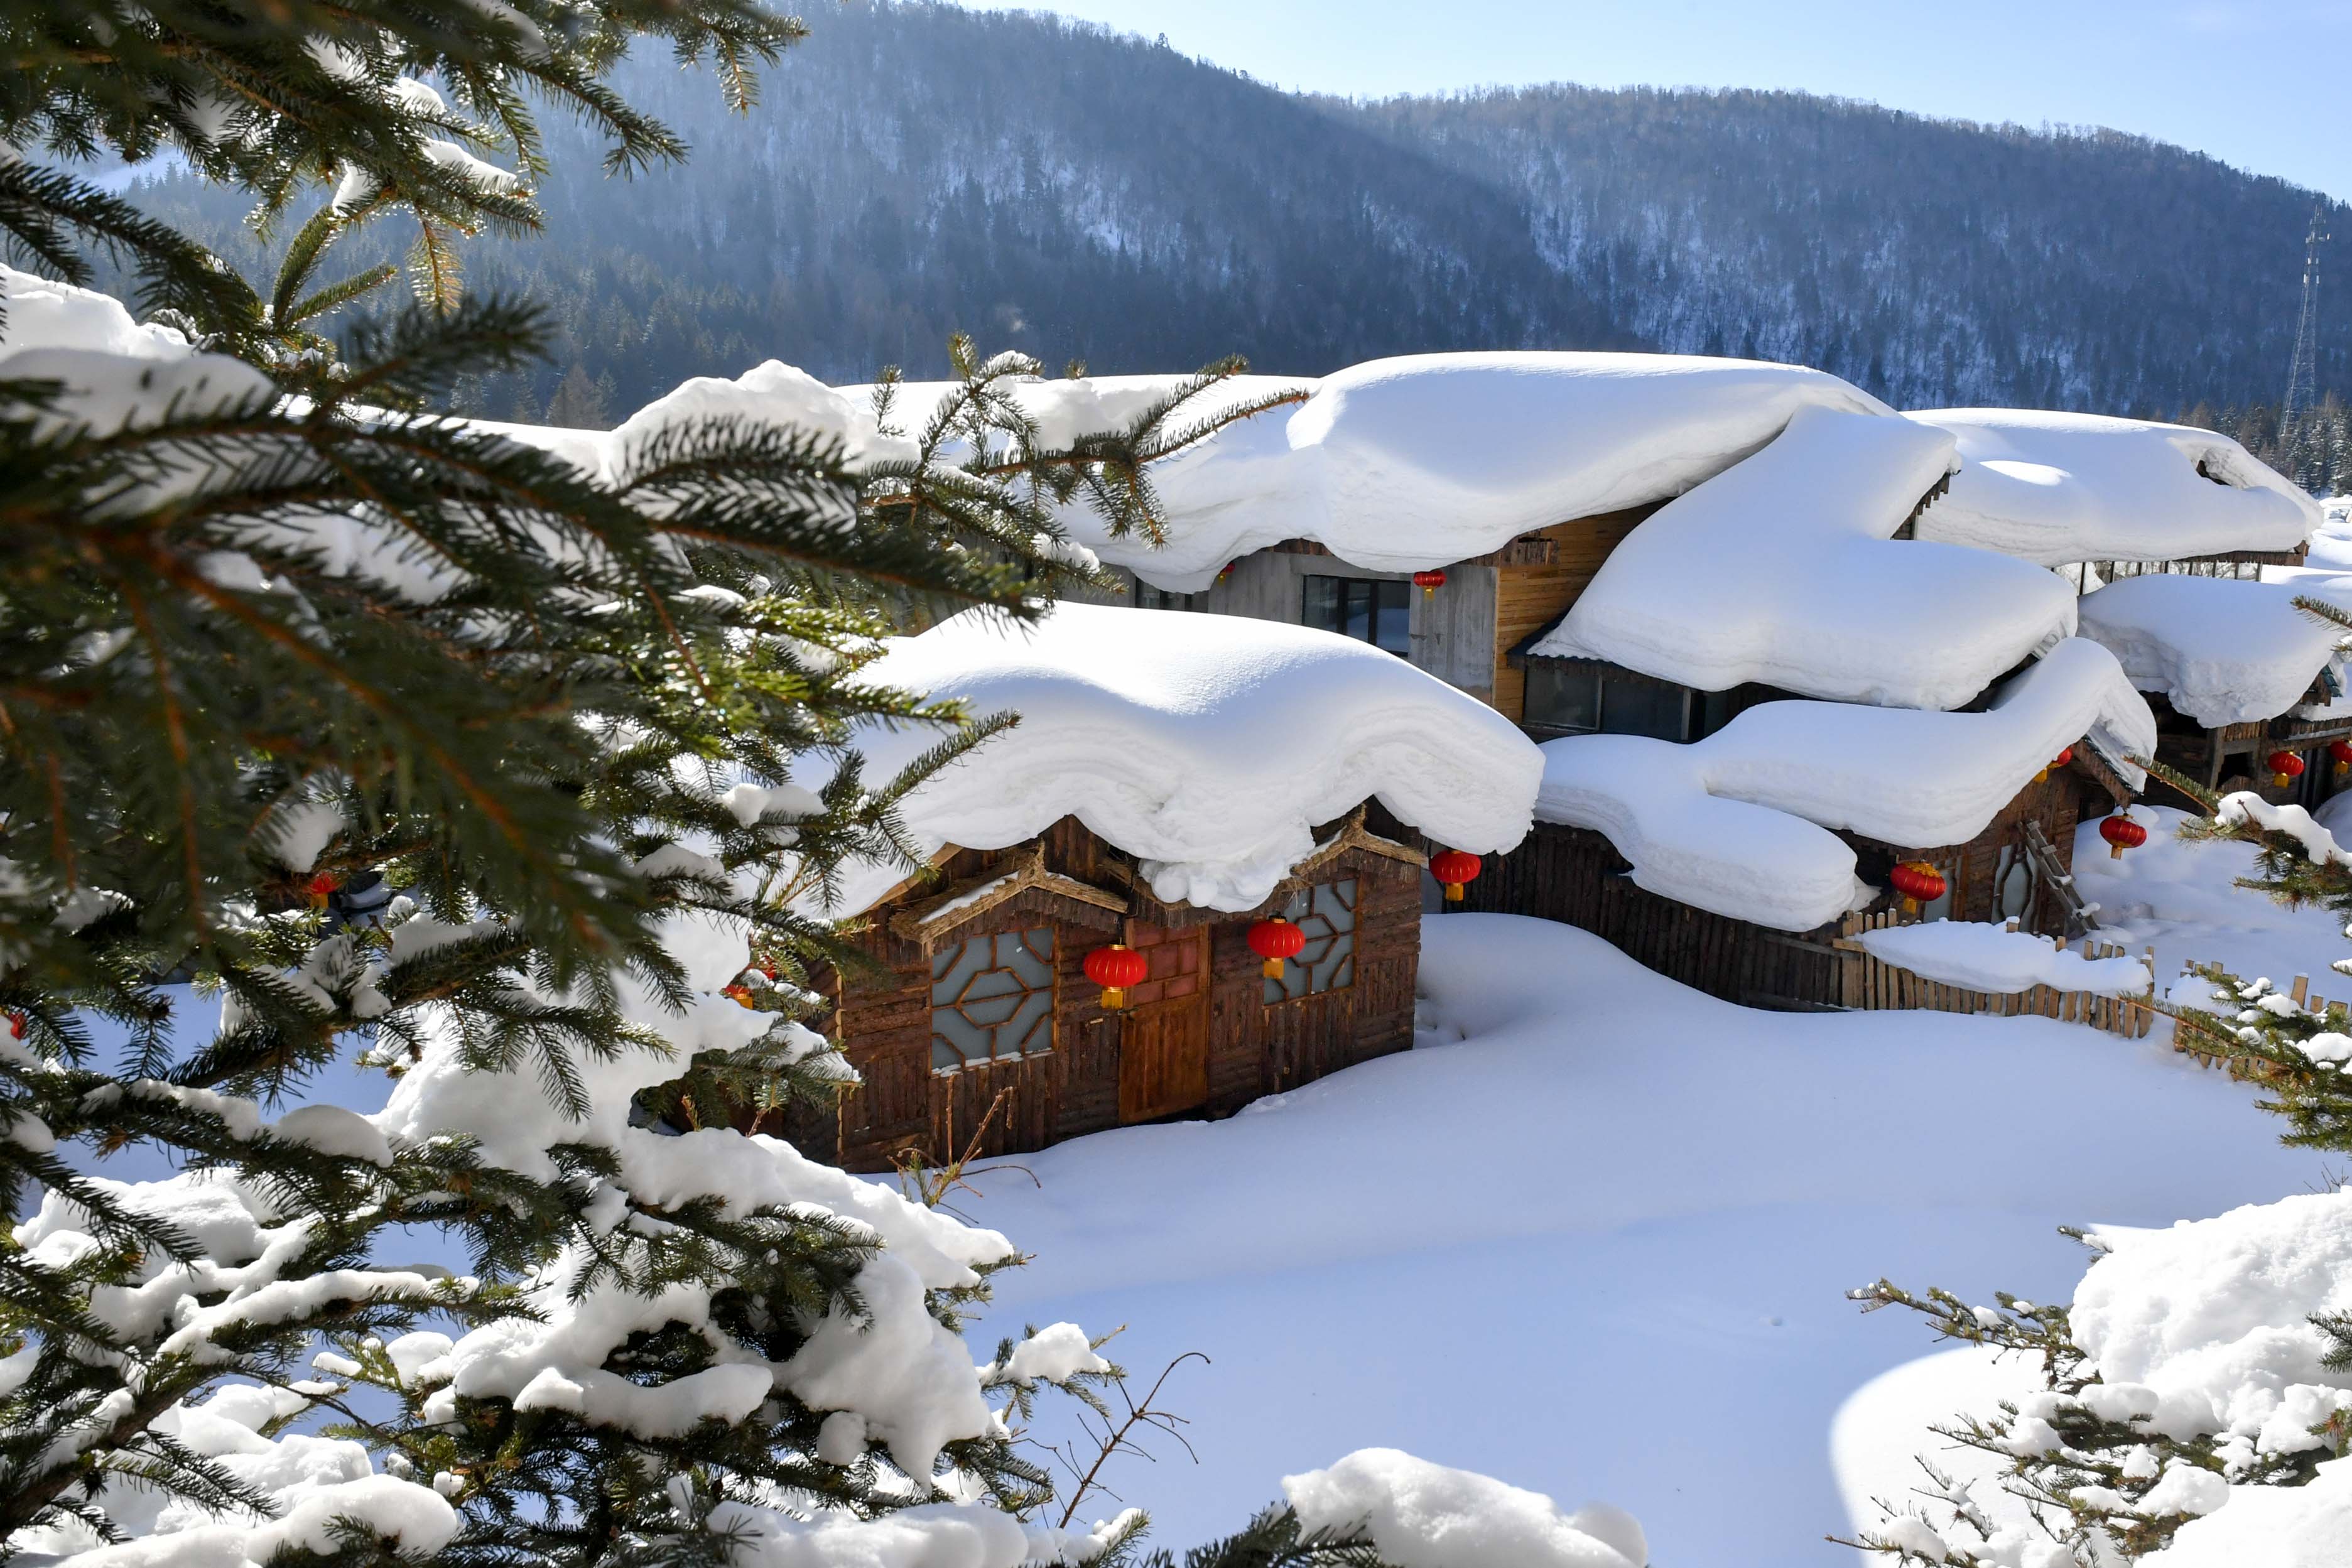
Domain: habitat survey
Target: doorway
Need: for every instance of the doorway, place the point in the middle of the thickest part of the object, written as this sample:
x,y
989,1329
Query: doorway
x,y
1163,1056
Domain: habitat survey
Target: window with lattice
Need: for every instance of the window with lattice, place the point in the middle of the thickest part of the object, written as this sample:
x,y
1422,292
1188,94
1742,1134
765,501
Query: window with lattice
x,y
1326,916
993,999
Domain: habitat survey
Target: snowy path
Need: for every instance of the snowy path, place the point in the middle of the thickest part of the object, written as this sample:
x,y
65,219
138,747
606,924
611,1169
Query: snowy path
x,y
1591,1239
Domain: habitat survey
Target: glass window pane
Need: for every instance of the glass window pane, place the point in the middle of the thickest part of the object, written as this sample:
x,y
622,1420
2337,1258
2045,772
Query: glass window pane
x,y
1358,621
1642,708
993,998
1394,625
1562,699
1326,916
1323,607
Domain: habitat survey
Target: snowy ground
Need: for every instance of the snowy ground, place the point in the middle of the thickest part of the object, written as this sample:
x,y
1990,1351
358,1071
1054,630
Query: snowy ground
x,y
1592,1237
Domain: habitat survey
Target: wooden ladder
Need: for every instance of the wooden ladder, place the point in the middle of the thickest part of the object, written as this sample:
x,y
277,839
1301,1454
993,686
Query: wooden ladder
x,y
2052,873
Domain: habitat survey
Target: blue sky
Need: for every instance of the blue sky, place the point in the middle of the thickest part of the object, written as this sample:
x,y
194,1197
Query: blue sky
x,y
2218,77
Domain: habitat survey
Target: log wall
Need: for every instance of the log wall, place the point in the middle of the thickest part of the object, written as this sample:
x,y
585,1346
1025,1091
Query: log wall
x,y
882,1018
1530,598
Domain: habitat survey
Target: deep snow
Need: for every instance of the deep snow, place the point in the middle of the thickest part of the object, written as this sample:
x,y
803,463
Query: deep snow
x,y
1592,1237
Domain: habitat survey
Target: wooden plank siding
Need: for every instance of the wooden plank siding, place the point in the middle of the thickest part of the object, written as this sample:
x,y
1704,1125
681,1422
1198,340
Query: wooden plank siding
x,y
1530,598
882,1018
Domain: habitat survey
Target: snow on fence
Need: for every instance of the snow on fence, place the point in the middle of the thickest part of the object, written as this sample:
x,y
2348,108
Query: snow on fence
x,y
1870,982
2334,1015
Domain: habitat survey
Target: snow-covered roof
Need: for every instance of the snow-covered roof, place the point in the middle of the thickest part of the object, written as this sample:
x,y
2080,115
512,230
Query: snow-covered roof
x,y
1783,569
2058,487
1208,747
2222,650
1740,823
1398,464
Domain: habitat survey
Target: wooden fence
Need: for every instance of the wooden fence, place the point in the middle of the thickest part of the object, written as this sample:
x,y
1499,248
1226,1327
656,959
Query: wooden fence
x,y
1871,982
2335,1014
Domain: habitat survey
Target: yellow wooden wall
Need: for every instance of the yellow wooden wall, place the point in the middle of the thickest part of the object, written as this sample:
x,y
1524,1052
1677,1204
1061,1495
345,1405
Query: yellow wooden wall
x,y
1528,598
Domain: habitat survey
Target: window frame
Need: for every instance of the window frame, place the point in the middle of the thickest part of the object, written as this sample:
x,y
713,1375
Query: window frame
x,y
1383,598
1300,909
946,959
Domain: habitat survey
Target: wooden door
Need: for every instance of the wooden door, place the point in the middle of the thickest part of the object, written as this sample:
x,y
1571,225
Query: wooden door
x,y
1163,1059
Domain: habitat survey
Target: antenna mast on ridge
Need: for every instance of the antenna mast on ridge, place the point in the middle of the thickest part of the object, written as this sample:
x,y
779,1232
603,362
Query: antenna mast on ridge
x,y
2302,372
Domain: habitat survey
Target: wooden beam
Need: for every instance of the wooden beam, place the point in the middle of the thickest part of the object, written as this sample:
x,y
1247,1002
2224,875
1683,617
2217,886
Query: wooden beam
x,y
927,921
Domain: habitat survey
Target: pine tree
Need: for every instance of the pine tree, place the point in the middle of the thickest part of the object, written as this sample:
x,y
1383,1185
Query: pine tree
x,y
417,746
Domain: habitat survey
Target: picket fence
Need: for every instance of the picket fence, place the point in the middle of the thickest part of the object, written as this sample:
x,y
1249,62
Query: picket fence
x,y
1871,982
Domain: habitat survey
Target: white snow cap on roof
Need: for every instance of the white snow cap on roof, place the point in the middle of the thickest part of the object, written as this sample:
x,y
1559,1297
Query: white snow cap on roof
x,y
1783,569
2058,487
1739,822
1423,461
1209,747
2222,650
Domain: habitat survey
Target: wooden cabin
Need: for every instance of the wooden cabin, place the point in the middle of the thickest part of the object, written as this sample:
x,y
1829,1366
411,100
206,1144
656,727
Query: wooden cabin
x,y
978,1032
1463,631
2020,866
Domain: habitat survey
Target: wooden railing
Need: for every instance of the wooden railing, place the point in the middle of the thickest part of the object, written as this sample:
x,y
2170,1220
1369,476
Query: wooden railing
x,y
1870,982
2333,1014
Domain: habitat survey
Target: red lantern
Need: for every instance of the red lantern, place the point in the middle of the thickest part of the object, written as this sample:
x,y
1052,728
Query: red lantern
x,y
15,1024
1429,582
1116,968
1453,868
2342,753
2286,769
2065,755
1275,940
1918,883
2122,833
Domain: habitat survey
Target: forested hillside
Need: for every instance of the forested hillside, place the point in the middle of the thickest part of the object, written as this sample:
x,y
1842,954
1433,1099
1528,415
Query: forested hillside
x,y
917,170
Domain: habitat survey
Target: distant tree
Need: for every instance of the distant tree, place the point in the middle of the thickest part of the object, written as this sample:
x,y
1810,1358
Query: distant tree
x,y
579,403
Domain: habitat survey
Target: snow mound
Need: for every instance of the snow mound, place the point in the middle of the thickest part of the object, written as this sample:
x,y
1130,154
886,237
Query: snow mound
x,y
1425,460
1208,747
2222,650
2058,487
1699,821
1783,569
1992,959
1420,1515
2211,1317
2278,1527
113,372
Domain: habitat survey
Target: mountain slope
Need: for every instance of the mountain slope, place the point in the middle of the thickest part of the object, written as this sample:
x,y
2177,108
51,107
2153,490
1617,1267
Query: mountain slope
x,y
917,169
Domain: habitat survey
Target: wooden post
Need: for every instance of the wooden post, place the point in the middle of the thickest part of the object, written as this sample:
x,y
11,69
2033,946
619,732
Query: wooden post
x,y
2302,984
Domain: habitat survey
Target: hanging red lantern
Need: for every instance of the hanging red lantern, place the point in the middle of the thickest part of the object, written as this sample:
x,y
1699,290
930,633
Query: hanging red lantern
x,y
2341,752
2065,755
15,1024
2286,769
1918,883
1452,869
1275,940
1117,968
321,887
1429,582
2122,833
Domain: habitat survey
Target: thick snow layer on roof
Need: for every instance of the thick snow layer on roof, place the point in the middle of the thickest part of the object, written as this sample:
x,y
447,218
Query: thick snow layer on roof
x,y
2222,650
2058,487
1651,799
1990,957
1209,747
1782,570
1736,823
1397,465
